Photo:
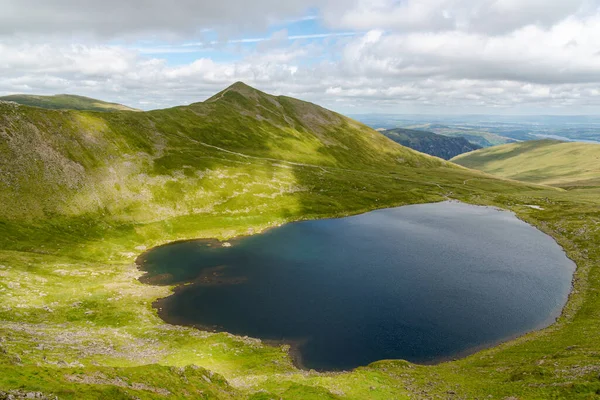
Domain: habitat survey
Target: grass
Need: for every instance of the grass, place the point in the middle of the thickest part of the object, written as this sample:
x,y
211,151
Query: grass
x,y
547,162
82,194
65,102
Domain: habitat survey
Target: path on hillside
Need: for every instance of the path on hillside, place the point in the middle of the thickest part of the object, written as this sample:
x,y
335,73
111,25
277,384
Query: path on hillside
x,y
324,169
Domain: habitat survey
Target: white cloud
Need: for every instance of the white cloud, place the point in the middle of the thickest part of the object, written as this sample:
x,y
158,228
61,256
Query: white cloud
x,y
183,17
484,16
438,54
118,18
566,53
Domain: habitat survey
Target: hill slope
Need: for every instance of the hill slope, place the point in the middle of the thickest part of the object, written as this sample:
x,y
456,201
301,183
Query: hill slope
x,y
431,143
548,162
65,102
72,162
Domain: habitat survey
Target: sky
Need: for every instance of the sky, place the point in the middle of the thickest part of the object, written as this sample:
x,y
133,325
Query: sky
x,y
352,56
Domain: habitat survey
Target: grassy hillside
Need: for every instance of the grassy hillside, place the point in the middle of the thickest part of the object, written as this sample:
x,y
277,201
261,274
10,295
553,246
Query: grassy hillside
x,y
154,165
431,143
547,162
65,102
83,193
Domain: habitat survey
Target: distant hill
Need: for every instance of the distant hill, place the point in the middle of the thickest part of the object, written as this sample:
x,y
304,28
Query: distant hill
x,y
479,137
549,162
66,102
431,143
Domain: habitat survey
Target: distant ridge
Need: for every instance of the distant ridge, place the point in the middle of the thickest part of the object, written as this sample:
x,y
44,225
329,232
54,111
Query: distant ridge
x,y
431,143
66,102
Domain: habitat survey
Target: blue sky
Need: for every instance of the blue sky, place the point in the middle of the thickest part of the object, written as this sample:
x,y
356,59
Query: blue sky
x,y
353,56
232,47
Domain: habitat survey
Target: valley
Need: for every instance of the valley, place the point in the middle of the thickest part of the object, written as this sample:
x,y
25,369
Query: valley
x,y
84,193
431,143
493,130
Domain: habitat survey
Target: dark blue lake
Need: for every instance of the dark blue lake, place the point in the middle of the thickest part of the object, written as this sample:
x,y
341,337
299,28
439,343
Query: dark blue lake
x,y
420,283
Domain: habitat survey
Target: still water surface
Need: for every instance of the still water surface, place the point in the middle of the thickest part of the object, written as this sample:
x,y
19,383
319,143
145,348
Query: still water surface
x,y
421,283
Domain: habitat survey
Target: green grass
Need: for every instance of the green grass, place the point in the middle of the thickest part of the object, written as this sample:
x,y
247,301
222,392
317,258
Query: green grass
x,y
547,162
82,194
65,102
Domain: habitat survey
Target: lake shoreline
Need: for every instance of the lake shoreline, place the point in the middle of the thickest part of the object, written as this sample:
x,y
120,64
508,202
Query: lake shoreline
x,y
294,349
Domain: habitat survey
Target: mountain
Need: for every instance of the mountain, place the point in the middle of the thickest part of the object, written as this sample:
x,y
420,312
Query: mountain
x,y
65,102
83,194
430,143
548,162
73,162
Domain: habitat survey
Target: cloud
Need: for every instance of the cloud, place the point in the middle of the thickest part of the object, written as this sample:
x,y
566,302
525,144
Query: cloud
x,y
134,17
566,53
483,16
378,55
366,77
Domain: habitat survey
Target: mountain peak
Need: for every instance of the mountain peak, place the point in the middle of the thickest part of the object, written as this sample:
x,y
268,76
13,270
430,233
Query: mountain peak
x,y
238,87
244,89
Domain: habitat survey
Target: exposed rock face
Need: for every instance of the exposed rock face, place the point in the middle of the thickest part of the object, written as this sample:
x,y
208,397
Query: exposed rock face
x,y
19,394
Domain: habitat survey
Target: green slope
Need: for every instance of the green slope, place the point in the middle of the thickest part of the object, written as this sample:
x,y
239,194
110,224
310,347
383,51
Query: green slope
x,y
65,102
133,165
430,143
547,162
83,193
